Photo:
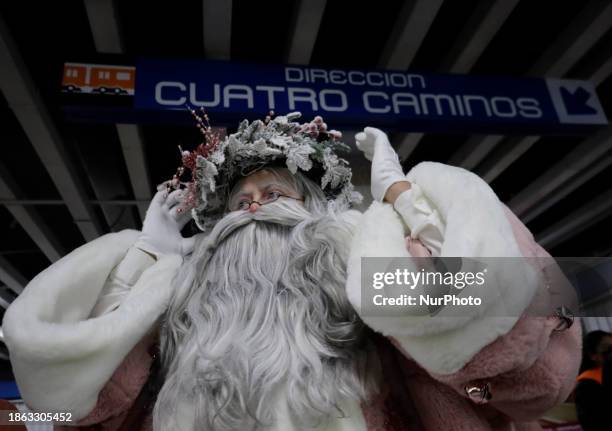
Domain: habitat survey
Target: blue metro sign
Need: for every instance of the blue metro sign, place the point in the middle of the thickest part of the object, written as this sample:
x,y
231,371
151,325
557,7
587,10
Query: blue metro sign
x,y
396,100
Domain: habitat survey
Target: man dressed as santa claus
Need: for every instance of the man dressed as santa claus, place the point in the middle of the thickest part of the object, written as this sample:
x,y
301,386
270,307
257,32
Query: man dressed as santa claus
x,y
257,323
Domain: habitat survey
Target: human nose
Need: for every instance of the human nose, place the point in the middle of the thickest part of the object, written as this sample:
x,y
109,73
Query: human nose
x,y
255,201
253,206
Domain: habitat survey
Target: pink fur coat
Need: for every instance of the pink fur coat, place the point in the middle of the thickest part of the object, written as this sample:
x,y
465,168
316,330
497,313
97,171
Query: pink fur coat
x,y
529,369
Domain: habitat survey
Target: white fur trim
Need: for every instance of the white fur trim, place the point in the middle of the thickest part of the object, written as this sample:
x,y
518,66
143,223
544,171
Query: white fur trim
x,y
62,358
476,226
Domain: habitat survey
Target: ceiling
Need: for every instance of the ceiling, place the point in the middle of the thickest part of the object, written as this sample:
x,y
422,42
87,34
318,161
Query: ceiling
x,y
63,183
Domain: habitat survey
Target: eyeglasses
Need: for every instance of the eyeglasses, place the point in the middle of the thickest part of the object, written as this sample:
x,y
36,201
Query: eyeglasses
x,y
245,204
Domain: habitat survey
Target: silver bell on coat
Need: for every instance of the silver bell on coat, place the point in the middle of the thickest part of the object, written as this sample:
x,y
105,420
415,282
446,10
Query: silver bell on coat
x,y
566,318
479,393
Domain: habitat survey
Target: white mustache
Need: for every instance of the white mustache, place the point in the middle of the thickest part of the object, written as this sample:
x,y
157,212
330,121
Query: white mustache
x,y
285,212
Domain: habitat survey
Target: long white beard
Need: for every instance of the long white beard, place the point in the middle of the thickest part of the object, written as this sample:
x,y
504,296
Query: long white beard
x,y
260,306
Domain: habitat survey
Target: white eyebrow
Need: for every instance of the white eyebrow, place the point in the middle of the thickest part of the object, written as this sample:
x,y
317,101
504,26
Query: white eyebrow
x,y
275,184
267,186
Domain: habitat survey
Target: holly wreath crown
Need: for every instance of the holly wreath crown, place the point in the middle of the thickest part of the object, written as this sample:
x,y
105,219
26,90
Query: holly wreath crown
x,y
217,163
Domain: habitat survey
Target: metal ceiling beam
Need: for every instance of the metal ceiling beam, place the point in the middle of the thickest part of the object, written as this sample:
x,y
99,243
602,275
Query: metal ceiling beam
x,y
103,22
571,45
596,70
217,15
34,226
482,26
577,221
27,105
582,33
531,208
130,136
29,219
10,276
568,187
506,154
105,29
306,21
472,152
579,159
409,31
480,29
598,67
53,202
361,168
411,27
4,304
406,143
602,70
7,296
477,33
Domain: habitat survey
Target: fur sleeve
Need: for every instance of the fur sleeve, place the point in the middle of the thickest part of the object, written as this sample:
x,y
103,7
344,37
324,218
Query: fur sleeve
x,y
476,226
61,358
528,365
532,367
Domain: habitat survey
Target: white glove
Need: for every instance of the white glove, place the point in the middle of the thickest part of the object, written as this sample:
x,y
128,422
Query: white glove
x,y
386,168
161,230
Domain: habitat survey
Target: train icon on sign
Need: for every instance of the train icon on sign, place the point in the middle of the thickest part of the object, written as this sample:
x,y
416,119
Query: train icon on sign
x,y
98,79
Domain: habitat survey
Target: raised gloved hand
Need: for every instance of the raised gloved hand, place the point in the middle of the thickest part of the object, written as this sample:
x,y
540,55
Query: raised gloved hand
x,y
161,230
386,168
